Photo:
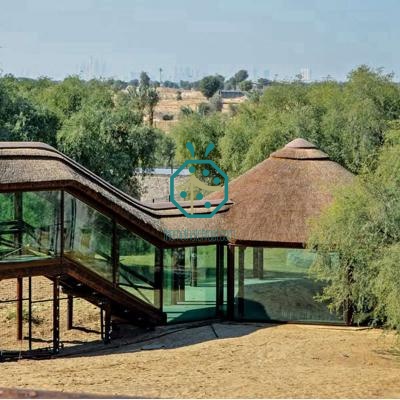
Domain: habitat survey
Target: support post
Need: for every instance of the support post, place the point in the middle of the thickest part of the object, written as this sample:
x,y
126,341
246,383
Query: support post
x,y
18,216
241,282
255,262
102,322
56,316
107,324
260,263
231,281
178,272
193,265
158,277
61,227
19,308
30,312
70,312
220,279
181,265
174,273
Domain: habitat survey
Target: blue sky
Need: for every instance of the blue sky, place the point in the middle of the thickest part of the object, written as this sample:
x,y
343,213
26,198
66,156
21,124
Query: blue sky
x,y
120,38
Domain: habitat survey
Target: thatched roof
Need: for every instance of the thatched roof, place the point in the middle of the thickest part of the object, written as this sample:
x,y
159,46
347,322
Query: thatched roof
x,y
37,166
275,200
272,202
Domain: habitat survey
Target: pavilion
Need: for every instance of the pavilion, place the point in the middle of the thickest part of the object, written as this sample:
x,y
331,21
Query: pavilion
x,y
59,220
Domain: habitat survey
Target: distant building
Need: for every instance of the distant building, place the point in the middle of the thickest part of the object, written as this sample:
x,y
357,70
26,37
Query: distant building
x,y
155,183
231,94
305,74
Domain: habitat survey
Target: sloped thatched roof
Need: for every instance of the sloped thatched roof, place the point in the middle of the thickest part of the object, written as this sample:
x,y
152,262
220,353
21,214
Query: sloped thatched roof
x,y
274,201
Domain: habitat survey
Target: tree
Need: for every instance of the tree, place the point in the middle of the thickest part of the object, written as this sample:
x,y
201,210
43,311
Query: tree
x,y
246,86
216,102
357,241
240,76
21,120
346,120
209,85
234,81
262,83
152,98
144,79
200,130
120,141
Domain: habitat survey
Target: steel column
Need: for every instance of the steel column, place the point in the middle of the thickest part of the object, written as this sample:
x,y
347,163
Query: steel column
x,y
231,281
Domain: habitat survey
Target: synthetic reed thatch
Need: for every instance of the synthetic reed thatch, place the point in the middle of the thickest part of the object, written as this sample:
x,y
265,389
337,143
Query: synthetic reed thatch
x,y
272,202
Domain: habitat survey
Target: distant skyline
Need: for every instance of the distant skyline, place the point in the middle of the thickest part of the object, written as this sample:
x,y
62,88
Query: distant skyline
x,y
189,39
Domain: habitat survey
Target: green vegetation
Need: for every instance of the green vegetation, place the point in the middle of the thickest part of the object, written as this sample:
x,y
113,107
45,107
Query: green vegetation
x,y
347,120
357,241
209,85
77,116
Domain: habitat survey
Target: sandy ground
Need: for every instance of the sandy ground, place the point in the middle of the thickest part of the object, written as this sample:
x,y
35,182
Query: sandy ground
x,y
227,360
86,316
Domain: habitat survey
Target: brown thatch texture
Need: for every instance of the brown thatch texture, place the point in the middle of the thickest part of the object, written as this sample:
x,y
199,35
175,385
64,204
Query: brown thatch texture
x,y
274,201
34,166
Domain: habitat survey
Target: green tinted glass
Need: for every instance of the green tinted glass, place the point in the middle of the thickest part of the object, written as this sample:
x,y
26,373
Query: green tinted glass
x,y
190,283
137,261
88,236
274,284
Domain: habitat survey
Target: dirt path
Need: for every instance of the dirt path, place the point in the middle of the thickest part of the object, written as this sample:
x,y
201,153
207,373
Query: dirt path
x,y
268,361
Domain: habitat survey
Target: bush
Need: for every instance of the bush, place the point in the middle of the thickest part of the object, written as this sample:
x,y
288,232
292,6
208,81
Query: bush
x,y
167,117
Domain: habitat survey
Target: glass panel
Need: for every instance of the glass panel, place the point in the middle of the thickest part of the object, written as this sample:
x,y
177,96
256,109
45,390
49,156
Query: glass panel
x,y
137,260
273,284
41,215
88,236
30,225
190,283
7,226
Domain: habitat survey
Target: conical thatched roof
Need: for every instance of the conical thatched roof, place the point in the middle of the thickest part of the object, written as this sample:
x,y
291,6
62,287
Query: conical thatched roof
x,y
274,201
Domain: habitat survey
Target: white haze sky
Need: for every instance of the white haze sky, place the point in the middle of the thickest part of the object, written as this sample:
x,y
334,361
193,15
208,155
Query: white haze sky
x,y
120,38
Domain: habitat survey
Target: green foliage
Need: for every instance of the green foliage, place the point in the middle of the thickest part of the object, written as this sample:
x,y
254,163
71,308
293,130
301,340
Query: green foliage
x,y
120,140
21,119
236,79
357,241
246,86
216,102
348,121
209,85
200,130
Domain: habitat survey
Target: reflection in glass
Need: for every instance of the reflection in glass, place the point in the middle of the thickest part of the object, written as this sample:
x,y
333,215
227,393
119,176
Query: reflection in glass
x,y
190,283
273,284
29,225
88,236
137,261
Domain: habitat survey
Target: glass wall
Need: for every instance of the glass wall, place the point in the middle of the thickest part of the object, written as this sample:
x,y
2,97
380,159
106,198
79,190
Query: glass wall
x,y
30,225
139,266
189,291
88,236
273,284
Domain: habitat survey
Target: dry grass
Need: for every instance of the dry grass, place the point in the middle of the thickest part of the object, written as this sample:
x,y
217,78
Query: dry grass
x,y
169,104
246,361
